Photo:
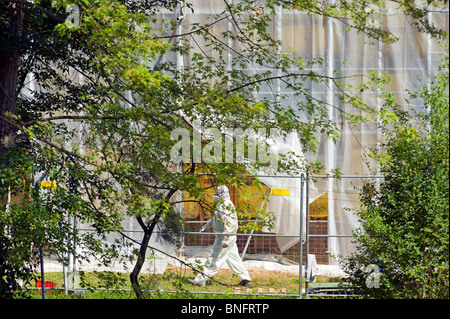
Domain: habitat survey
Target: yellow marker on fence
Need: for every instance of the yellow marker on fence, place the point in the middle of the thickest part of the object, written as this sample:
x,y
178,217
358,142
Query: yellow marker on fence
x,y
280,191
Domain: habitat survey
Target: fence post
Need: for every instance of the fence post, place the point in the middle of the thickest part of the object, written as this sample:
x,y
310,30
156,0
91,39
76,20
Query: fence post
x,y
41,256
74,260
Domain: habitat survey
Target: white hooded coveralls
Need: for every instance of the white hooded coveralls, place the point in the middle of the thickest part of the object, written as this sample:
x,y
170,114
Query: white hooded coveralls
x,y
224,249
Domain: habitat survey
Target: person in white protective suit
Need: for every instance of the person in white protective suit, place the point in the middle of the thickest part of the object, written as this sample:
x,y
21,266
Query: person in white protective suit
x,y
224,249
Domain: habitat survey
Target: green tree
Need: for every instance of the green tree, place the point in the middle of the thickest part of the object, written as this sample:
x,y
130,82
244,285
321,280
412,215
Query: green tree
x,y
403,243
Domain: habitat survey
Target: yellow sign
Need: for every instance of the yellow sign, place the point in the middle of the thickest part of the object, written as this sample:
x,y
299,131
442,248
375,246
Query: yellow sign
x,y
47,184
280,191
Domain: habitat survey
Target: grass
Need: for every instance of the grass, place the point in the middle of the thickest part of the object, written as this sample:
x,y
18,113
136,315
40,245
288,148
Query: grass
x,y
173,285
